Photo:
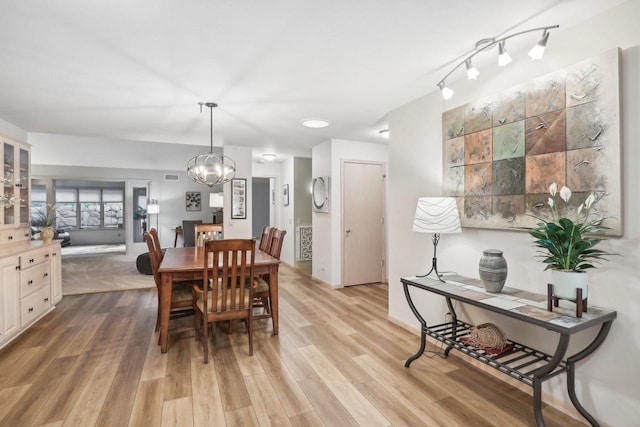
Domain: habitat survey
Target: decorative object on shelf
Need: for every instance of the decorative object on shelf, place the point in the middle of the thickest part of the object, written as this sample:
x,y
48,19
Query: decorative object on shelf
x,y
212,168
239,198
493,270
504,59
487,335
46,234
501,152
568,244
193,201
436,215
320,194
8,201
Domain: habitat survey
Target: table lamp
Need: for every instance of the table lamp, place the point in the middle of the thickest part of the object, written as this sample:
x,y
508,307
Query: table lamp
x,y
153,208
216,200
436,215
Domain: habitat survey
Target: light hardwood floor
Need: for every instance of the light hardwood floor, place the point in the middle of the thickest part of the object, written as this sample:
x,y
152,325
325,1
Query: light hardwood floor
x,y
336,362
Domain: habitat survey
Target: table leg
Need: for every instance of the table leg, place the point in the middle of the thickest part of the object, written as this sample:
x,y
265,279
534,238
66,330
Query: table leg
x,y
165,308
423,327
273,295
541,373
571,368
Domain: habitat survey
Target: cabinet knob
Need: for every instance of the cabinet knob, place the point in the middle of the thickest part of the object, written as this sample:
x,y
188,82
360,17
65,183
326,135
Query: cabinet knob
x,y
46,255
30,309
30,282
46,299
46,274
31,260
10,238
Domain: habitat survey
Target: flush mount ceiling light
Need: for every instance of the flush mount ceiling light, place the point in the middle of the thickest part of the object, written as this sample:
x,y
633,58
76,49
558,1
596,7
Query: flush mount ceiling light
x,y
211,168
269,156
314,123
503,56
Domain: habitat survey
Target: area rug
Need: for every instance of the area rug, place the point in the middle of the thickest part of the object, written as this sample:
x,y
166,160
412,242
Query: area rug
x,y
84,274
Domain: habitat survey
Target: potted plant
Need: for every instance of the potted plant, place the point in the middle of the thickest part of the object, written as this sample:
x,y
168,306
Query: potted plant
x,y
568,244
46,219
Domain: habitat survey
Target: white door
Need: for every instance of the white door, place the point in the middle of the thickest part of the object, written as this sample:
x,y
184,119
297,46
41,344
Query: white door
x,y
363,223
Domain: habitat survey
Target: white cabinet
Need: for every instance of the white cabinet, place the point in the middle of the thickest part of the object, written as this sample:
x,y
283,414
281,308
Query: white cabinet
x,y
30,285
9,298
15,170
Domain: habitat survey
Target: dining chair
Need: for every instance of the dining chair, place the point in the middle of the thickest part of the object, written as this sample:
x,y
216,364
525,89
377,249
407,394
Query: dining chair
x,y
265,238
261,284
181,296
223,294
189,232
207,231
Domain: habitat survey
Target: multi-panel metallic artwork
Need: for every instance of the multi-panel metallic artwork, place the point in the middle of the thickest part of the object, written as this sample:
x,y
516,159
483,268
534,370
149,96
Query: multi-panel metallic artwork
x,y
503,152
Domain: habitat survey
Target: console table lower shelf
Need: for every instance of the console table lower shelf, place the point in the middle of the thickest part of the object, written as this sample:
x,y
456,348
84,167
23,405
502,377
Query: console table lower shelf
x,y
518,361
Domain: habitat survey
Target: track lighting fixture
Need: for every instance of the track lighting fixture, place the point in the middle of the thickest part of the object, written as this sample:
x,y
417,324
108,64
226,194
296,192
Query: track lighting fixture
x,y
503,56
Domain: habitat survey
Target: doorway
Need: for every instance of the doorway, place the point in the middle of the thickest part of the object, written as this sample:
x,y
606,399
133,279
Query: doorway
x,y
363,236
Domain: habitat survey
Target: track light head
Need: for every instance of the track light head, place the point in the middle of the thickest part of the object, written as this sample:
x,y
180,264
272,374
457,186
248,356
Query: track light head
x,y
538,50
472,72
446,92
503,56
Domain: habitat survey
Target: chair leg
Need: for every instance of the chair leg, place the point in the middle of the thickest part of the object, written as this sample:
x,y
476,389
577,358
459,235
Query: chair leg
x,y
205,339
250,332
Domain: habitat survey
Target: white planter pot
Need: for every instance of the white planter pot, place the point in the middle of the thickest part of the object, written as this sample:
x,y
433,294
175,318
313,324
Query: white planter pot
x,y
565,283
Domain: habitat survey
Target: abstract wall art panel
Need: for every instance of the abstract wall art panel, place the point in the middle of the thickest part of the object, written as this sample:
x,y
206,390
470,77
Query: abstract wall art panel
x,y
502,152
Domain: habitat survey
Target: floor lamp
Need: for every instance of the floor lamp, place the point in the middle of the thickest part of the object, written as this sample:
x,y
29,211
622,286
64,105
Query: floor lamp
x,y
436,215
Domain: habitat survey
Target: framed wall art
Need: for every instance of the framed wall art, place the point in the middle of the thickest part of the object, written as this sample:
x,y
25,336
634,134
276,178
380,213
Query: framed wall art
x,y
238,198
320,194
502,153
193,201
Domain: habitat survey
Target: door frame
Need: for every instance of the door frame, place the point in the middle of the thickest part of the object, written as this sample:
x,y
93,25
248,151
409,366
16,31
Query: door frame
x,y
383,278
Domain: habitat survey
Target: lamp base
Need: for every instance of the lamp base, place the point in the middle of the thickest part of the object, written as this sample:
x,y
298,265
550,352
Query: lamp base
x,y
434,260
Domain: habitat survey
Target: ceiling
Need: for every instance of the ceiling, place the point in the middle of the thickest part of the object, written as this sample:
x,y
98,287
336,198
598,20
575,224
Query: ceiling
x,y
136,70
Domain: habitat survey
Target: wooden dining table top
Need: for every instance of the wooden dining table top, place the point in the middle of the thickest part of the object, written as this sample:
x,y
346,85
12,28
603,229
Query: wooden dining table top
x,y
192,258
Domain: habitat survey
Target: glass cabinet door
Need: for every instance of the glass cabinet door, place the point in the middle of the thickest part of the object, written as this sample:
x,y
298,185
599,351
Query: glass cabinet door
x,y
8,180
23,186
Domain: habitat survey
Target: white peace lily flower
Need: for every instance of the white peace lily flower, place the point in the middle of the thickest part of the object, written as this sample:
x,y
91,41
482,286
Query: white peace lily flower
x,y
553,189
580,209
589,201
565,194
550,201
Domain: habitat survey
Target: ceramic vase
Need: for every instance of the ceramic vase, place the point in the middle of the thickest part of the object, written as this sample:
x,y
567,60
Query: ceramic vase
x,y
566,282
493,270
46,234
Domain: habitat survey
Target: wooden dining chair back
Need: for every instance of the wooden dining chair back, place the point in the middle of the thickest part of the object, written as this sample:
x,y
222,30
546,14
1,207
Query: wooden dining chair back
x,y
275,249
181,295
156,244
261,284
208,232
223,293
265,238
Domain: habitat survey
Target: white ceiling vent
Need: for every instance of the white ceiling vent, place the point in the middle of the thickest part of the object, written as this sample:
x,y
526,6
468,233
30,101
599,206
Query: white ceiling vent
x,y
171,177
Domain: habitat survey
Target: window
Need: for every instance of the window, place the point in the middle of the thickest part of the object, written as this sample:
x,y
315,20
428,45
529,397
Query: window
x,y
90,208
38,202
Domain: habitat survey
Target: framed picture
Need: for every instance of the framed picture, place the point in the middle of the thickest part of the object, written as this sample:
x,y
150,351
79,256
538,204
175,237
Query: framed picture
x,y
285,195
193,201
320,194
238,198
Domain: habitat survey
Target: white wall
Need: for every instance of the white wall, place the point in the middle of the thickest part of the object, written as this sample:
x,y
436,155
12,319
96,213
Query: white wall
x,y
238,228
607,382
327,228
12,131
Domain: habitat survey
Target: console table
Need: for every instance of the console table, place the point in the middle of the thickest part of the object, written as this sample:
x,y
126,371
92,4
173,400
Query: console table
x,y
521,362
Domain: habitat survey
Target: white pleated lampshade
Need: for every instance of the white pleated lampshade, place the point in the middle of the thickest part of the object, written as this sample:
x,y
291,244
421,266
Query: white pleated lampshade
x,y
437,215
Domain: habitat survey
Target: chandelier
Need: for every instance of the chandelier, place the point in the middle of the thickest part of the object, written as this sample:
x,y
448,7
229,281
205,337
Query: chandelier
x,y
211,168
503,56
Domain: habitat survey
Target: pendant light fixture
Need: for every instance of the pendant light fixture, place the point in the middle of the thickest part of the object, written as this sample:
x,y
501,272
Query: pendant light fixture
x,y
503,56
211,168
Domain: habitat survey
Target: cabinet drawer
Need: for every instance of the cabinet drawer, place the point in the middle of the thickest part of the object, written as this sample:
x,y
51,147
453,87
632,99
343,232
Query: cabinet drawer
x,y
34,278
30,259
14,235
34,305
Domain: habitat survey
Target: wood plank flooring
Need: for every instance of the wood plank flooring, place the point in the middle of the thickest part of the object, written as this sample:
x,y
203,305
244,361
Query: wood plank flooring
x,y
336,362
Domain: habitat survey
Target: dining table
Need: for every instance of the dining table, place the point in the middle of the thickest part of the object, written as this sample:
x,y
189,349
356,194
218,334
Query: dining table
x,y
187,264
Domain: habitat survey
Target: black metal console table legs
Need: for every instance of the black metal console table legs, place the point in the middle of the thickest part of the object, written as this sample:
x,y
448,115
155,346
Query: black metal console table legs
x,y
518,362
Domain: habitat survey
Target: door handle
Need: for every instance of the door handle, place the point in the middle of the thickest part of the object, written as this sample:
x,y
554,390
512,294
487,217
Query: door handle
x,y
348,230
